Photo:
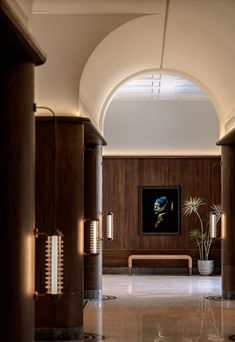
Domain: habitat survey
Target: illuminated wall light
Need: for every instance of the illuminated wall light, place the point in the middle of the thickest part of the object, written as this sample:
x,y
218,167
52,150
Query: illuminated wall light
x,y
223,225
94,237
213,226
54,264
109,226
110,216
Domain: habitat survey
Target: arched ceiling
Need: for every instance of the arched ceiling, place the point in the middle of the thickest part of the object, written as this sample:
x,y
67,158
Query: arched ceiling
x,y
158,114
194,40
95,46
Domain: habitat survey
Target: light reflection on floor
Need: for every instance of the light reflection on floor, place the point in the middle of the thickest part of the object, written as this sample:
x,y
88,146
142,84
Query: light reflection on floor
x,y
161,309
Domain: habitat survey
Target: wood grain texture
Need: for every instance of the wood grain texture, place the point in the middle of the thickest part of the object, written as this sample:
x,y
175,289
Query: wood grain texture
x,y
228,234
92,211
91,135
17,216
195,176
69,216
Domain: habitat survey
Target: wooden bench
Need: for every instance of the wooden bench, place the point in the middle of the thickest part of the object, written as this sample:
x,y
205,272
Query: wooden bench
x,y
159,257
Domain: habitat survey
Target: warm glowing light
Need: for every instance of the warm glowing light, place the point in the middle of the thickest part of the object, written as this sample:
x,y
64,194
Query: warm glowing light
x,y
80,240
213,227
109,226
223,225
100,219
94,237
29,275
54,264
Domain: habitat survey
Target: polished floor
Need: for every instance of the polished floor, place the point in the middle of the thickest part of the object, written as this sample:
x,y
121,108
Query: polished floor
x,y
161,309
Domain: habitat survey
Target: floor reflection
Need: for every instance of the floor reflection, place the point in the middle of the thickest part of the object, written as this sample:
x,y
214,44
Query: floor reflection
x,y
161,309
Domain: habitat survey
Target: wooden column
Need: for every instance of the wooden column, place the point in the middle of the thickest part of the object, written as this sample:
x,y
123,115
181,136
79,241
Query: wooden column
x,y
18,56
228,216
17,209
93,210
228,221
60,318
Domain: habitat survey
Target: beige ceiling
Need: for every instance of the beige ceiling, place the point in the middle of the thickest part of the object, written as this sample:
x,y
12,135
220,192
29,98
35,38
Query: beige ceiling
x,y
95,46
96,6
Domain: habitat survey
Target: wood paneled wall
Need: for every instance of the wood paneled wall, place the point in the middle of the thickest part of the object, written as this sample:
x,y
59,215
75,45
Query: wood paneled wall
x,y
196,176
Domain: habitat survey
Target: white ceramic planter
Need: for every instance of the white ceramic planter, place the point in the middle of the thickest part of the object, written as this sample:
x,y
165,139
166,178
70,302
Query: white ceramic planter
x,y
205,267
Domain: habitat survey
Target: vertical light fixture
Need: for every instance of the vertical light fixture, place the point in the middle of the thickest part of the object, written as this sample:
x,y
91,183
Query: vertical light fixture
x,y
109,226
94,237
213,226
109,218
54,263
54,240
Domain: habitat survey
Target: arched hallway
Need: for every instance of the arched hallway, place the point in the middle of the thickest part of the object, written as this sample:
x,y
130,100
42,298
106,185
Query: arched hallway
x,y
92,47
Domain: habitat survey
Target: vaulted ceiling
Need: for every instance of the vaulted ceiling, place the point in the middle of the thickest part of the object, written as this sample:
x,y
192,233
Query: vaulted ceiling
x,y
176,53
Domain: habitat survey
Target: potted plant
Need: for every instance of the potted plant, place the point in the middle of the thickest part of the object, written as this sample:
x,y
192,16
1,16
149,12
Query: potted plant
x,y
201,235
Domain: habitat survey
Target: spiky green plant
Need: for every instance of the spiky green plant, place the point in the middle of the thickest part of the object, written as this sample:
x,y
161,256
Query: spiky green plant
x,y
201,236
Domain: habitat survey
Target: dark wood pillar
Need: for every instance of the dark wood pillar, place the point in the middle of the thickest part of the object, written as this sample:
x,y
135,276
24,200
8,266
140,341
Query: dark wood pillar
x,y
17,208
228,216
60,318
93,210
18,56
228,221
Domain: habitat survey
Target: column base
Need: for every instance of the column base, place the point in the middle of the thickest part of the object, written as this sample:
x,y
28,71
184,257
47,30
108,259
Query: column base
x,y
61,334
228,295
93,294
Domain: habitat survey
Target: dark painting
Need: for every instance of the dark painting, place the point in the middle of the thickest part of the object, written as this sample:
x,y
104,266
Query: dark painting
x,y
159,210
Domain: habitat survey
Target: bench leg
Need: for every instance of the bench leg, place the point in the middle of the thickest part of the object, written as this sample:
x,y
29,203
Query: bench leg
x,y
129,266
190,270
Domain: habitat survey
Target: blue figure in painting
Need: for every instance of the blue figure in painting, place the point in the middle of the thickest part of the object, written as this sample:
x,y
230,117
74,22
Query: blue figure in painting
x,y
159,209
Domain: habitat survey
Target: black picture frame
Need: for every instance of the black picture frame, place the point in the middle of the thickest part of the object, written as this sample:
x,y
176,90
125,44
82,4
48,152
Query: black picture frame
x,y
159,210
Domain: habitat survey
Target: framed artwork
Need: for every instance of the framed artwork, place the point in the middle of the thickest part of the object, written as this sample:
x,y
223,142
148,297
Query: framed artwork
x,y
159,210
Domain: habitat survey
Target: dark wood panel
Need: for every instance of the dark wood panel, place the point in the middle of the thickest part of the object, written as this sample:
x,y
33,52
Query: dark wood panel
x,y
91,134
228,234
118,257
69,212
92,210
17,217
195,176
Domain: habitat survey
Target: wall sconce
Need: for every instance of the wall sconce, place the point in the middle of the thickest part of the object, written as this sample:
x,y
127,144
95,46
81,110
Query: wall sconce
x,y
54,263
109,226
109,218
213,226
215,216
94,237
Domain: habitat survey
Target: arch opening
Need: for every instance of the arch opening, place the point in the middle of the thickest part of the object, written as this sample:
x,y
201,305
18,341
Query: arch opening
x,y
160,113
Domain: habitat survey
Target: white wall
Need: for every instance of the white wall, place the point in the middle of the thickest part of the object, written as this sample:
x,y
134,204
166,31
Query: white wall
x,y
161,128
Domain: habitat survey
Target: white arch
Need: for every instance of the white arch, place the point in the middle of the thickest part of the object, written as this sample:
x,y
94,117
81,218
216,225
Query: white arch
x,y
196,48
125,51
157,71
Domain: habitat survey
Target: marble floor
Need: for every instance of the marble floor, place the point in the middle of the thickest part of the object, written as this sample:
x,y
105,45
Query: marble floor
x,y
161,309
